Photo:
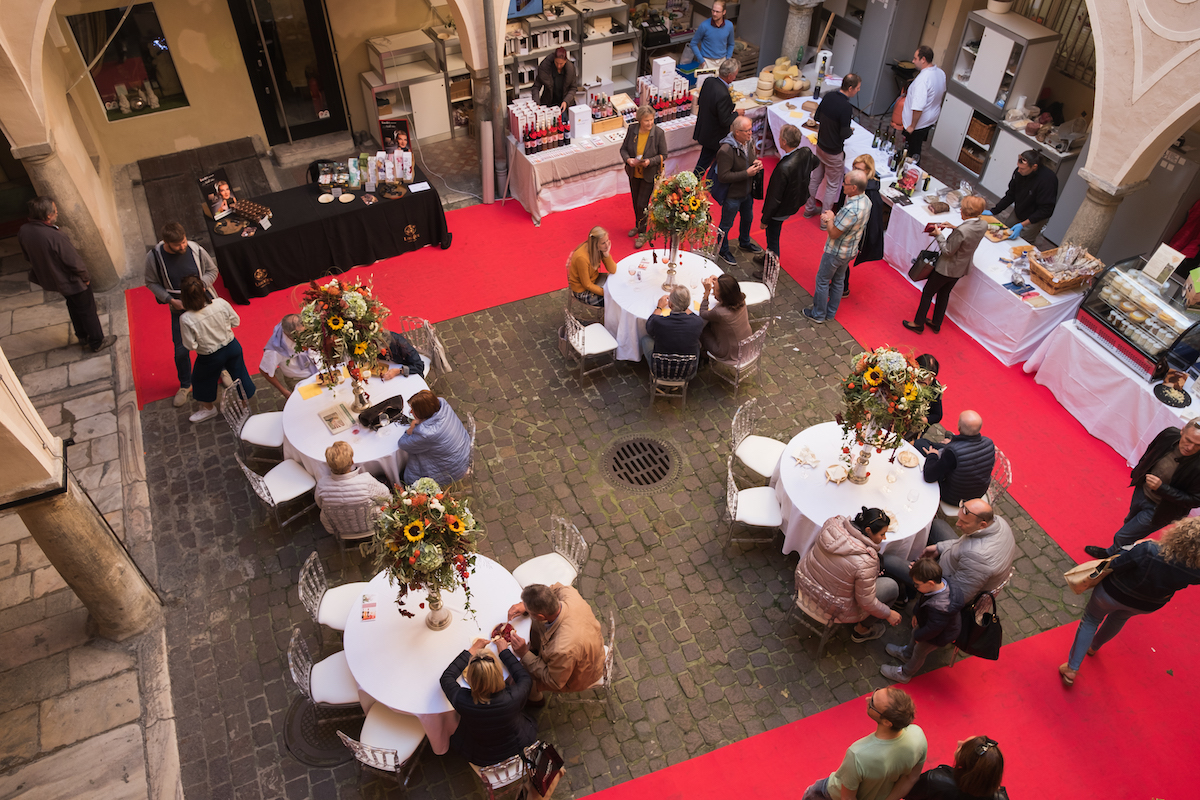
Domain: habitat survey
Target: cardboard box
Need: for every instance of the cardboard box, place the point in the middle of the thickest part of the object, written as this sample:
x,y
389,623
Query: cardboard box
x,y
581,121
662,71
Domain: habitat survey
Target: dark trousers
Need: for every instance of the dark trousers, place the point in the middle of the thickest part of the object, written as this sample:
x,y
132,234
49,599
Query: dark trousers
x,y
1137,522
208,372
704,163
743,206
916,140
640,191
183,357
84,319
941,286
896,566
773,229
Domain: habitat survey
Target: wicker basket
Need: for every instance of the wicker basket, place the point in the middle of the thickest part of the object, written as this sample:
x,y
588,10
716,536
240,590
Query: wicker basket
x,y
971,161
1044,278
782,95
981,131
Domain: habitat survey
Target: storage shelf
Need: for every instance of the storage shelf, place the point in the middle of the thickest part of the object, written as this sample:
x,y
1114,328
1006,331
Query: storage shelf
x,y
984,146
616,62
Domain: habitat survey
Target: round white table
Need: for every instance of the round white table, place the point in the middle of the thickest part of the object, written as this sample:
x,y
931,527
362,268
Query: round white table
x,y
305,437
398,660
808,499
629,300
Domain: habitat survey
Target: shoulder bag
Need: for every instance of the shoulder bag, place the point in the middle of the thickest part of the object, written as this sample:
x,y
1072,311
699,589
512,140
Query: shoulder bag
x,y
981,633
544,765
1083,577
923,265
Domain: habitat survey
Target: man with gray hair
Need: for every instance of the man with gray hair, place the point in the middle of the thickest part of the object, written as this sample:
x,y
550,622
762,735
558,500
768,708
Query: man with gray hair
x,y
737,164
280,355
714,115
673,329
1166,487
565,651
788,189
844,232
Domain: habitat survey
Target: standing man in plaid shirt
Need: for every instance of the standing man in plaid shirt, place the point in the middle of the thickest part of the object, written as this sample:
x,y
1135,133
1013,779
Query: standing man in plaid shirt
x,y
845,232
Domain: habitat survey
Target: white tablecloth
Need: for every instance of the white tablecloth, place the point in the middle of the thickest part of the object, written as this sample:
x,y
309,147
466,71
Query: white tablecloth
x,y
629,302
305,436
398,660
1006,326
859,142
1114,404
808,499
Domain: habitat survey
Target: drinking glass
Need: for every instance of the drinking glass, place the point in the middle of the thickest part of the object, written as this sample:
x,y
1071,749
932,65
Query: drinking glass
x,y
913,497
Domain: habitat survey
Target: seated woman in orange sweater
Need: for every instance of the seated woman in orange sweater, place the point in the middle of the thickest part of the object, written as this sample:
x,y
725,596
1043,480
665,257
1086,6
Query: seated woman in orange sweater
x,y
583,268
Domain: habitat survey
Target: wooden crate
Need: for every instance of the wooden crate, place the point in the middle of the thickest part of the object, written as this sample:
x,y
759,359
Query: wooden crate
x,y
609,124
981,131
748,58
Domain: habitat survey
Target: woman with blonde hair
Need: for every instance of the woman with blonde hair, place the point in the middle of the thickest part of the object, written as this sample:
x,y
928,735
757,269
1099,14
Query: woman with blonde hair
x,y
583,267
494,725
644,152
1144,578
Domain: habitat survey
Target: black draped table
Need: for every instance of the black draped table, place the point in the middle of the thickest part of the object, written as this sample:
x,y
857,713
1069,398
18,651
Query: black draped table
x,y
308,239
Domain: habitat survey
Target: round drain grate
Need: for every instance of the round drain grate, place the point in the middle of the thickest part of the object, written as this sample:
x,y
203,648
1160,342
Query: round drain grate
x,y
640,464
310,733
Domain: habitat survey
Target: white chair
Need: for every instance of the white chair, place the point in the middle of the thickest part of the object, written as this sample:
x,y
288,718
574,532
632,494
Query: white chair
x,y
468,477
745,361
997,487
421,335
712,243
759,454
506,774
350,523
258,430
756,507
593,342
562,564
285,482
760,294
670,375
329,607
329,682
812,616
603,684
389,742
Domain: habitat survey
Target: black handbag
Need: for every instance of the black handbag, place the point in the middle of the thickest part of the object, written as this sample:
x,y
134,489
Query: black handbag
x,y
756,187
543,764
393,407
981,633
923,265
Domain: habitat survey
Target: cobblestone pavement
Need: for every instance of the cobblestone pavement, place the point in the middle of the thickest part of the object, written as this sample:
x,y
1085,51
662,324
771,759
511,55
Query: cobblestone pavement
x,y
706,653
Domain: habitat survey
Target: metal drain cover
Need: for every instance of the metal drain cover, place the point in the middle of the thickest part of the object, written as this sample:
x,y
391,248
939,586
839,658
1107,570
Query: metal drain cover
x,y
310,733
640,464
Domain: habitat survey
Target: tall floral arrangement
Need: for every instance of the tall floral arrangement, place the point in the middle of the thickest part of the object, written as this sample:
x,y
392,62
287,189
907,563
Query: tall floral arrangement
x,y
679,207
885,398
426,539
342,322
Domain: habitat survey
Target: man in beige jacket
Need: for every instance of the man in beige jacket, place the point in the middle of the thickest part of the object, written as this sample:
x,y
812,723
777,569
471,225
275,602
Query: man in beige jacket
x,y
566,648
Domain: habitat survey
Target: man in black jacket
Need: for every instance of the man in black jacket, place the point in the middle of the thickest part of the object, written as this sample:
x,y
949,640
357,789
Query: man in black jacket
x,y
1166,487
714,114
962,464
788,189
1032,192
834,116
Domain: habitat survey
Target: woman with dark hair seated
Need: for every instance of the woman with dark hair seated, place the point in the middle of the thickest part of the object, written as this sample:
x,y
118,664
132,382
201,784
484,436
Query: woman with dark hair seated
x,y
976,774
728,321
841,573
437,444
934,415
206,326
493,724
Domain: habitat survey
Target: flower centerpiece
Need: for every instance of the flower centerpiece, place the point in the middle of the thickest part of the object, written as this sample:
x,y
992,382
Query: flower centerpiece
x,y
679,211
343,322
885,397
426,539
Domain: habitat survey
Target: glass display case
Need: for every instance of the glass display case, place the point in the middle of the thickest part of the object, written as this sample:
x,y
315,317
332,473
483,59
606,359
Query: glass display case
x,y
1145,325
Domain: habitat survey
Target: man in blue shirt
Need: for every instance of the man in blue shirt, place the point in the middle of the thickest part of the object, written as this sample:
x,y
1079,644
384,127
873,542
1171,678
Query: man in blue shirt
x,y
713,41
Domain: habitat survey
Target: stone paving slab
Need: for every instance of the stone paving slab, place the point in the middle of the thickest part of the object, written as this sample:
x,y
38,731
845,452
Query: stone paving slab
x,y
707,654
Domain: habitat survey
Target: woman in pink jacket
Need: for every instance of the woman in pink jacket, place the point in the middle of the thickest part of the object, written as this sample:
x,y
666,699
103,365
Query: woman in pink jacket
x,y
841,573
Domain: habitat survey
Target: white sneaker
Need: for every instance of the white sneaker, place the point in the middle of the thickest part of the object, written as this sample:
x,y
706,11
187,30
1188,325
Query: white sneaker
x,y
181,397
203,414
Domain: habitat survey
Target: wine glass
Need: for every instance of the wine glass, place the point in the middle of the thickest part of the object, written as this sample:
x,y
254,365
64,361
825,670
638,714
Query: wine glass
x,y
384,420
913,497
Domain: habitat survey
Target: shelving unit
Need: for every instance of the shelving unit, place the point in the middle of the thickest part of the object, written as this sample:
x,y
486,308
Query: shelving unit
x,y
406,81
534,55
610,53
458,78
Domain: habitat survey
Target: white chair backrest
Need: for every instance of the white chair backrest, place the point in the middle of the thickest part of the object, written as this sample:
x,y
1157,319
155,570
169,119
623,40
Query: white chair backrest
x,y
672,368
574,331
506,773
235,407
745,421
731,490
352,520
256,482
750,348
300,663
313,584
771,272
568,542
375,757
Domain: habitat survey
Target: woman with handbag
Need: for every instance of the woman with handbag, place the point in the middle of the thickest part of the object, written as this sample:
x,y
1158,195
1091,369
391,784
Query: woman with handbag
x,y
644,153
494,725
958,248
976,774
1144,578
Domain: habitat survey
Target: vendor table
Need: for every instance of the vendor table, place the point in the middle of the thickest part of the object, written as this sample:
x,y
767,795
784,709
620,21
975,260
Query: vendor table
x,y
1114,404
788,112
398,660
305,437
308,239
1006,326
808,499
629,300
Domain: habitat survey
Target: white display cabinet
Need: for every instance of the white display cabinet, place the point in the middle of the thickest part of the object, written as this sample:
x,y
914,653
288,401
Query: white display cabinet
x,y
458,77
406,82
610,47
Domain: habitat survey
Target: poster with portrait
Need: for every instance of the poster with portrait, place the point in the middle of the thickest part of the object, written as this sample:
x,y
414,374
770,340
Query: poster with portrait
x,y
394,134
218,195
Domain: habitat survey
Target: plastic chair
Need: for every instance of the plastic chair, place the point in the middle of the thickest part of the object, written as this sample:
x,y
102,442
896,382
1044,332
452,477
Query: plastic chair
x,y
592,342
352,523
389,742
285,482
759,295
328,683
712,243
569,552
327,606
499,776
422,335
258,430
756,507
812,616
745,361
670,375
997,487
468,477
759,454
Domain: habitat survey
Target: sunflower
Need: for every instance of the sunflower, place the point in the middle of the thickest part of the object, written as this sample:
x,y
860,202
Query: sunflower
x,y
393,547
455,525
910,392
873,376
336,323
694,203
414,531
360,348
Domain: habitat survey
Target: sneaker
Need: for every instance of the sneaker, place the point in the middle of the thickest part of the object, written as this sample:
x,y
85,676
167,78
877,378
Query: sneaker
x,y
105,343
894,674
761,258
809,213
896,651
808,312
728,259
749,247
181,397
845,293
875,632
226,379
1095,552
203,414
633,232
640,241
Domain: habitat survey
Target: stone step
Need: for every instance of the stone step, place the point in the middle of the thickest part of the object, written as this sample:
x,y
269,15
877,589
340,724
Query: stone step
x,y
305,151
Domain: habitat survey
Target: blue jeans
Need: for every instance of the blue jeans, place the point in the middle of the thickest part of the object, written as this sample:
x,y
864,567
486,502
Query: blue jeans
x,y
1137,522
773,229
1101,612
208,372
731,208
183,357
832,271
818,791
896,566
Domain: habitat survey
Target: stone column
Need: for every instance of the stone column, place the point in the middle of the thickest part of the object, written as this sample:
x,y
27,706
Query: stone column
x,y
78,542
1091,222
799,27
50,178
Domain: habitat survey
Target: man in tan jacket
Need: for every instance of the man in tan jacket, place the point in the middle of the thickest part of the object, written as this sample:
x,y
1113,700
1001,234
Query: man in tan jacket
x,y
566,648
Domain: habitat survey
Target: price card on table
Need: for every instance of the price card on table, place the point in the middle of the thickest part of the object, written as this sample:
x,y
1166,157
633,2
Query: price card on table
x,y
419,187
